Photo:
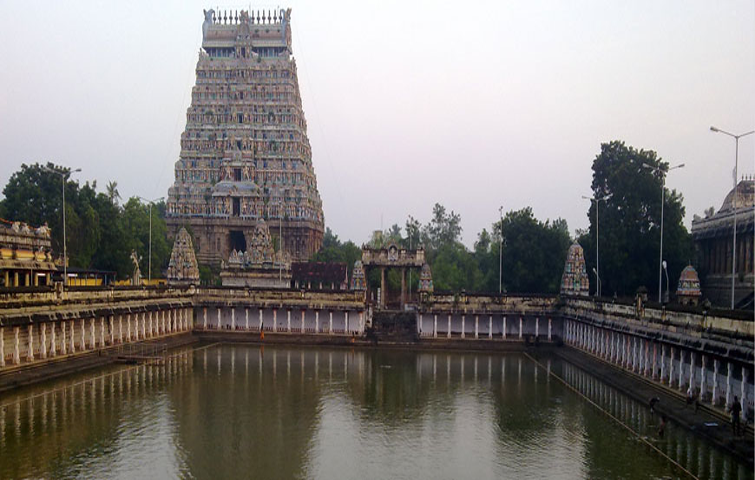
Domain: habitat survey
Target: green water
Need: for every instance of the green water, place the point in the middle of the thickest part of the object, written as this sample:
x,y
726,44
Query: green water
x,y
246,412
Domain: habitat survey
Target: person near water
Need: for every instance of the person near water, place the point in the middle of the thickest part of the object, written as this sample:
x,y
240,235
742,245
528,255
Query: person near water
x,y
653,401
662,426
736,409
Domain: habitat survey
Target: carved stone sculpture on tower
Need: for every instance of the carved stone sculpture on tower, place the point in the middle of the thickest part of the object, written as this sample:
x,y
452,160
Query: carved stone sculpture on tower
x,y
575,280
183,268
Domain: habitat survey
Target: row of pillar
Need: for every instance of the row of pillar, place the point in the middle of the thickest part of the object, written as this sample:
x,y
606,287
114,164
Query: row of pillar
x,y
72,336
489,334
290,322
657,361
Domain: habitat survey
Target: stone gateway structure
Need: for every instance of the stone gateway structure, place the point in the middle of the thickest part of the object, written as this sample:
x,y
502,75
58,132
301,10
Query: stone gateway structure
x,y
245,155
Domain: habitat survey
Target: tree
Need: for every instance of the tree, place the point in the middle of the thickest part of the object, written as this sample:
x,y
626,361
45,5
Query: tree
x,y
534,252
630,221
442,230
112,192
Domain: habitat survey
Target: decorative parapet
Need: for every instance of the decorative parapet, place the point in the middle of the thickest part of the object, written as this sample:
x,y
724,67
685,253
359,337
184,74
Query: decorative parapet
x,y
393,256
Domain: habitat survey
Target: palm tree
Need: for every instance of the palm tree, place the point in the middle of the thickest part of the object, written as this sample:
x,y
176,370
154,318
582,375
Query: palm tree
x,y
112,192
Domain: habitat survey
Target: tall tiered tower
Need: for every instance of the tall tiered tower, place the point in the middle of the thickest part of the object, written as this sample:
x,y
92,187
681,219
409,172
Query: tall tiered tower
x,y
245,155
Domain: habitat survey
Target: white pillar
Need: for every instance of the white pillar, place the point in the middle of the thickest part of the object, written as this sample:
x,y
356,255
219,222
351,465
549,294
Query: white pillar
x,y
743,393
703,383
53,347
671,366
435,326
448,333
43,340
715,382
260,310
490,327
680,385
275,319
476,327
144,325
692,370
361,323
128,327
2,346
83,335
16,352
30,342
550,328
317,321
537,327
330,323
63,342
204,318
288,321
520,328
233,318
303,313
463,326
219,326
663,362
246,318
729,369
346,322
504,327
150,327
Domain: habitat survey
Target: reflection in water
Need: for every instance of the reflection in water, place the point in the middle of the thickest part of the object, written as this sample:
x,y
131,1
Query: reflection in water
x,y
244,411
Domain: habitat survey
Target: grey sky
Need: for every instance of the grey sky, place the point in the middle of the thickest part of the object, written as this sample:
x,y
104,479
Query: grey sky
x,y
470,104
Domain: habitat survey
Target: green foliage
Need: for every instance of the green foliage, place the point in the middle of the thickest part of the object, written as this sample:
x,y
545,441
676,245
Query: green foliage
x,y
534,252
333,250
100,233
630,221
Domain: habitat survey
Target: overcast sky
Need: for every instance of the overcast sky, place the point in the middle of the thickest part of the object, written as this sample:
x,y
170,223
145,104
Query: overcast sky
x,y
470,104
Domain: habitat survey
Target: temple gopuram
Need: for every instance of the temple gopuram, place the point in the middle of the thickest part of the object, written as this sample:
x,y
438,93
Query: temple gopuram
x,y
245,156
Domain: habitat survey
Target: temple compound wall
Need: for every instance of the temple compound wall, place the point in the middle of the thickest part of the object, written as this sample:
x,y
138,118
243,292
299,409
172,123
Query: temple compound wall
x,y
334,312
704,356
245,155
491,317
37,326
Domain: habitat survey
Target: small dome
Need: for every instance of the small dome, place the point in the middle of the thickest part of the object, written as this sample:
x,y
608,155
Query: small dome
x,y
745,192
689,283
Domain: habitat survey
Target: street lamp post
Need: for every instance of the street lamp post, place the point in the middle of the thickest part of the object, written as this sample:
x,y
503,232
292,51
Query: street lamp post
x,y
500,254
149,263
63,176
665,270
734,240
663,200
597,201
597,278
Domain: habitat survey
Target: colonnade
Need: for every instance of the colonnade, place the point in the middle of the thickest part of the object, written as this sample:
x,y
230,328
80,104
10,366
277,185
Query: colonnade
x,y
697,374
40,341
282,320
485,326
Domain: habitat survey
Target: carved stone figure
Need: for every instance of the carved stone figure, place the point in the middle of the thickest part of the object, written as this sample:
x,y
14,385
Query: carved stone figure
x,y
575,280
208,14
183,268
136,278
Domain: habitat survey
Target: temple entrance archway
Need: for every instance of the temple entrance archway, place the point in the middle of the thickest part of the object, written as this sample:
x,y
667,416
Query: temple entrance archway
x,y
387,258
236,241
